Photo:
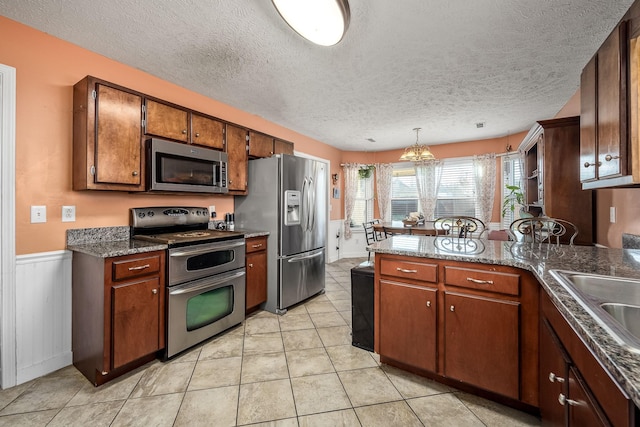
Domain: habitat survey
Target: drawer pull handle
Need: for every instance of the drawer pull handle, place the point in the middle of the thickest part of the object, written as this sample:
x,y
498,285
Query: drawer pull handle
x,y
428,303
481,282
154,291
403,270
452,308
554,378
562,399
140,267
259,245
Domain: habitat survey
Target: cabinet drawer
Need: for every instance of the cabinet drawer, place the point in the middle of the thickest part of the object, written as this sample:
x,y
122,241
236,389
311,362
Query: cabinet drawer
x,y
491,281
256,244
409,270
135,267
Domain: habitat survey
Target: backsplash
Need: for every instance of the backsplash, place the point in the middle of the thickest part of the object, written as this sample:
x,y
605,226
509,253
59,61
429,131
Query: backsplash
x,y
80,236
630,241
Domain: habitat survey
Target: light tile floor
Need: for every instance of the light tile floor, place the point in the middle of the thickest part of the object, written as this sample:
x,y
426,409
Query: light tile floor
x,y
299,369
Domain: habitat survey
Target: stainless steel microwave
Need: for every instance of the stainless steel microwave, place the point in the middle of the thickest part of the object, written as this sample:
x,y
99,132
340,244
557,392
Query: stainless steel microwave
x,y
173,166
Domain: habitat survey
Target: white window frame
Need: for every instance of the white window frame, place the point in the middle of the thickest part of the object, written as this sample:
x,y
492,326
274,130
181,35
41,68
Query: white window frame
x,y
510,178
367,199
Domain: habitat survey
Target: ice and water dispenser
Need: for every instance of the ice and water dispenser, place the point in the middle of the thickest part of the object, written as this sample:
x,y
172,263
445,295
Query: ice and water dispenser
x,y
292,205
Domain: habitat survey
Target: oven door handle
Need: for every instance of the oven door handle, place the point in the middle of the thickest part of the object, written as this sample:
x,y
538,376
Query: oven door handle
x,y
209,283
209,249
302,258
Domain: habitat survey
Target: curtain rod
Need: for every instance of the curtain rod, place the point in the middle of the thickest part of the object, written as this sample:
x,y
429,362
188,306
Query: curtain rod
x,y
507,153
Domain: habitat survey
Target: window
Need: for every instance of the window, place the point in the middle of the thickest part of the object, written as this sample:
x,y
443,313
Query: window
x,y
511,175
456,192
363,205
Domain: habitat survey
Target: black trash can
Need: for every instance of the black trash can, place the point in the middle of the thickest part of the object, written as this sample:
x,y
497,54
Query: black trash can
x,y
362,307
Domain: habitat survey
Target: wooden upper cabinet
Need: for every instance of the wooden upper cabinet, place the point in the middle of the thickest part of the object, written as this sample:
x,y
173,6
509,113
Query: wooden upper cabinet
x,y
107,131
260,145
588,154
237,159
207,132
611,105
282,147
166,121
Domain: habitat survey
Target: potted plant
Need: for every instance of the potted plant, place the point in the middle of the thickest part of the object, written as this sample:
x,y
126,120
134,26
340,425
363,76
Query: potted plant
x,y
365,171
515,197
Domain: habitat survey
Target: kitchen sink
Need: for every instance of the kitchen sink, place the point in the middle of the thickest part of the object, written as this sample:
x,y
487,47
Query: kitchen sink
x,y
614,302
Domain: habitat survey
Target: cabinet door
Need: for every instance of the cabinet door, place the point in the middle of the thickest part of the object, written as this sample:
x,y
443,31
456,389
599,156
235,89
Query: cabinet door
x,y
237,152
135,318
588,107
553,375
118,133
256,279
207,132
408,324
611,106
282,147
166,121
482,342
260,145
582,407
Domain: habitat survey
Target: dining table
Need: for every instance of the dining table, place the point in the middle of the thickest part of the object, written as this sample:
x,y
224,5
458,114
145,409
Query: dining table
x,y
397,227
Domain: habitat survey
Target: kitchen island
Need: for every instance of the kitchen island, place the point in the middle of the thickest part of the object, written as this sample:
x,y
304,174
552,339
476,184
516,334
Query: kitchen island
x,y
446,270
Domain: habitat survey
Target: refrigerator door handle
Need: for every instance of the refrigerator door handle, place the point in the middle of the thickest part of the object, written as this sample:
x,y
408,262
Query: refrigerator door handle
x,y
302,258
305,204
312,204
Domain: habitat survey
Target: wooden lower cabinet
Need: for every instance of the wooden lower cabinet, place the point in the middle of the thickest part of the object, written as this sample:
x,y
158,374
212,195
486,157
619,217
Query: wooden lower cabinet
x,y
472,326
408,324
118,316
256,266
482,342
575,389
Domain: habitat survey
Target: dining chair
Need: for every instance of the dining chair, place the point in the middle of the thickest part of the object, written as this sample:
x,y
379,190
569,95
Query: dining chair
x,y
543,229
461,226
370,235
379,232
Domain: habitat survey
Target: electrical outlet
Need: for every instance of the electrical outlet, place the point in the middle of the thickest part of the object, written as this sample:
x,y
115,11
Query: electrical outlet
x,y
38,214
68,213
212,211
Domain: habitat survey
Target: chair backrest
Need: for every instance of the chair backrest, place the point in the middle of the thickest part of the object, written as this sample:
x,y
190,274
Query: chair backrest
x,y
461,226
379,232
369,233
542,229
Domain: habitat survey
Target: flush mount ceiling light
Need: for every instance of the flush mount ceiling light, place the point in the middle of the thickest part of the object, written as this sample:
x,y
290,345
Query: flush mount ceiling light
x,y
417,152
322,22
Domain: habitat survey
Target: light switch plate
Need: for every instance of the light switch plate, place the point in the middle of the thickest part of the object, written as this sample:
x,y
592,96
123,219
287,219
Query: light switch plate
x,y
38,214
612,215
68,213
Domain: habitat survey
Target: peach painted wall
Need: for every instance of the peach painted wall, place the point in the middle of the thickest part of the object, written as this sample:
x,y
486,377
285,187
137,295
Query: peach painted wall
x,y
47,68
444,151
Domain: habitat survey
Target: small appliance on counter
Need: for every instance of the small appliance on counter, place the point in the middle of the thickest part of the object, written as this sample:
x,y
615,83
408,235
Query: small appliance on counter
x,y
205,273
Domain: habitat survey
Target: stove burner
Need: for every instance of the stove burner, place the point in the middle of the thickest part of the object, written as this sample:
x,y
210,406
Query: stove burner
x,y
193,234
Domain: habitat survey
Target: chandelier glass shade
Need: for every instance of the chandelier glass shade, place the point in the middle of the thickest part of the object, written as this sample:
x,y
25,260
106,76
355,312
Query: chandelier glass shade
x,y
417,152
323,22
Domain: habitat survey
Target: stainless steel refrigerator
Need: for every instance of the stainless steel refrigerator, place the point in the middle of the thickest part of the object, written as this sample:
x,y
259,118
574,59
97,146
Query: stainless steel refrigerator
x,y
287,196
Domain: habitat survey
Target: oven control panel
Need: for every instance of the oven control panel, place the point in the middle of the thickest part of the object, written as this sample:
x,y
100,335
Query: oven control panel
x,y
159,216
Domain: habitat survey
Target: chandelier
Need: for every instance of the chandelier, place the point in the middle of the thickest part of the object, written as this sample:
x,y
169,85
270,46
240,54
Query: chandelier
x,y
417,152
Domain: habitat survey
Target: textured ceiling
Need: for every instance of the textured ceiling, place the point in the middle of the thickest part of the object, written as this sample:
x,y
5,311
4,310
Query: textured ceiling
x,y
439,65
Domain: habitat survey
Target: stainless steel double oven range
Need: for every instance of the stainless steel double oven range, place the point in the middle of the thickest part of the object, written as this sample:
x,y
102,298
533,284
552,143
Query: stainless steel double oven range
x,y
205,273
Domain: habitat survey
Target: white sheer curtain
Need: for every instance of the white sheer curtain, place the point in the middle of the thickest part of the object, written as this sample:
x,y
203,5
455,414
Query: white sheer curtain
x,y
484,168
384,173
428,175
350,189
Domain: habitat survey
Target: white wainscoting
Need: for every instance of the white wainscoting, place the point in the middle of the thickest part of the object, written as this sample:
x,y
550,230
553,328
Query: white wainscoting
x,y
334,240
43,313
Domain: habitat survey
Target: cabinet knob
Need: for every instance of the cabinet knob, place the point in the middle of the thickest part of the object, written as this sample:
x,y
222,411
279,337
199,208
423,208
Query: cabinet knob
x,y
554,378
134,173
184,131
230,182
428,303
250,265
154,291
562,399
609,157
452,308
197,134
587,164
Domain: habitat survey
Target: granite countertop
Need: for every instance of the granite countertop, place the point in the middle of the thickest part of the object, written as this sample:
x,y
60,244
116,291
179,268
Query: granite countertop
x,y
622,363
106,242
